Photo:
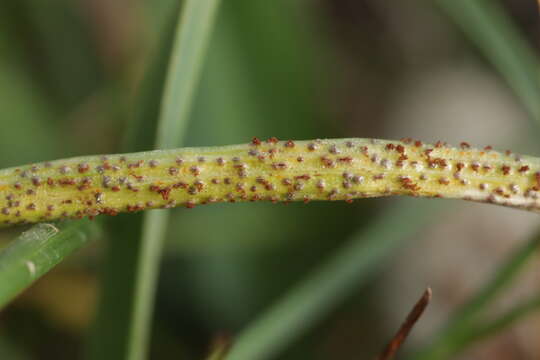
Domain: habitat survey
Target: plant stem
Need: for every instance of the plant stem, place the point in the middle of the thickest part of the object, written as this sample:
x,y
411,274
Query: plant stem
x,y
395,344
340,169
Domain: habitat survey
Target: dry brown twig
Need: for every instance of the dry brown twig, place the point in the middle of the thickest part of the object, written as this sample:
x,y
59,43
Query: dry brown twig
x,y
394,345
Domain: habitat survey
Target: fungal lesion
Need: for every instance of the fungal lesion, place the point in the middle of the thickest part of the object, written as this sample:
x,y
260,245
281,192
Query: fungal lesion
x,y
271,170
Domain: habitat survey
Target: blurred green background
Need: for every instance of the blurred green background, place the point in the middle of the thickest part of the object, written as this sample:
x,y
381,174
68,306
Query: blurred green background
x,y
73,75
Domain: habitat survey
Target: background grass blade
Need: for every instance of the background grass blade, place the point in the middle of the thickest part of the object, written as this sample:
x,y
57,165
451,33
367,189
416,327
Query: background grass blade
x,y
184,69
306,304
503,322
460,327
108,336
190,44
38,250
491,28
190,41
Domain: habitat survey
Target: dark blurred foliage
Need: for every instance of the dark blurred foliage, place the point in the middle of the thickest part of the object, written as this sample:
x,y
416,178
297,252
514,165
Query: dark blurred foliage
x,y
71,81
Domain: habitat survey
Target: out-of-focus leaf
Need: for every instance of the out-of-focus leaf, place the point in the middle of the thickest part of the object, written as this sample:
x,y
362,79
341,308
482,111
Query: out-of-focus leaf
x,y
465,321
314,297
494,32
190,42
36,251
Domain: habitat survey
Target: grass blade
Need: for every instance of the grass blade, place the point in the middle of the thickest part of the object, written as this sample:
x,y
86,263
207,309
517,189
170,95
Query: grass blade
x,y
109,334
314,297
38,250
121,328
450,338
504,321
189,48
146,274
190,43
486,23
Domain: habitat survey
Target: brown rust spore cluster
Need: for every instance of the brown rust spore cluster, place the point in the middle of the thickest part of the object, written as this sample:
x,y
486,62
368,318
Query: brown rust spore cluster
x,y
271,170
